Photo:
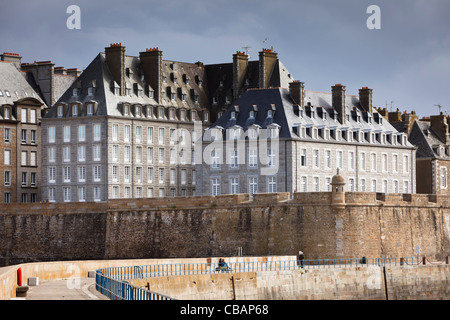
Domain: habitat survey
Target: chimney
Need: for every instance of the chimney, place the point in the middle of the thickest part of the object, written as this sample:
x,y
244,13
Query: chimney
x,y
151,63
365,99
73,72
43,73
297,92
267,60
240,63
338,101
395,116
14,58
440,127
115,59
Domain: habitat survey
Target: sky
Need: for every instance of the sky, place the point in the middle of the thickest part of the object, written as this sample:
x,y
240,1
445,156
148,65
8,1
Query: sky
x,y
322,42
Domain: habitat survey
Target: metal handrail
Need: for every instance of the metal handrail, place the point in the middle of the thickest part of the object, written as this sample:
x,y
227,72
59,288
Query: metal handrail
x,y
113,283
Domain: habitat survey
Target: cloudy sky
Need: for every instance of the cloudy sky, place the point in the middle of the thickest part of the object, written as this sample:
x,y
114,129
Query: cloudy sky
x,y
321,42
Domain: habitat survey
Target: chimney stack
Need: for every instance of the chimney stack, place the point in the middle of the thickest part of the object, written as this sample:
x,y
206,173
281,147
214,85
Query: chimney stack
x,y
14,58
267,60
115,59
395,116
439,126
240,63
338,101
297,92
151,63
365,99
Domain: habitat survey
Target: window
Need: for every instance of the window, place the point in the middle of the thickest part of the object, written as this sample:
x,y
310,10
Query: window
x,y
51,134
150,135
126,133
33,158
373,162
252,157
81,194
351,161
374,185
394,163
127,174
138,192
173,176
24,178
215,159
126,153
395,184
303,157
443,177
272,158
234,159
82,133
67,192
160,113
138,134
97,132
66,132
115,132
161,135
138,157
272,184
66,154
97,172
51,174
161,175
150,175
252,185
172,136
150,155
385,186
149,192
82,153
384,162
139,174
340,160
316,184
59,111
24,115
328,159
405,186
161,158
303,184
363,161
215,186
51,154
161,192
183,176
234,185
7,135
75,92
351,184
96,152
90,108
363,185
7,157
66,174
7,180
316,158
24,136
97,194
82,174
33,137
51,194
75,110
33,179
24,158
405,164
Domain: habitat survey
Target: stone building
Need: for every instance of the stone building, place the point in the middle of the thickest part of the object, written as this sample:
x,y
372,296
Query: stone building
x,y
291,139
431,137
125,128
21,106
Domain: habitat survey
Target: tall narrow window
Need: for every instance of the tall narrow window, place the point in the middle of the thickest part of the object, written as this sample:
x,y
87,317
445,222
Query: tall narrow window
x,y
215,186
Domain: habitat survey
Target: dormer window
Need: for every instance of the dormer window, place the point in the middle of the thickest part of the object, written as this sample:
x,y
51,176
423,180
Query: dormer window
x,y
171,114
137,111
149,112
196,98
269,113
7,93
215,100
252,114
160,113
90,91
233,115
193,115
206,116
75,110
59,111
90,109
7,113
75,92
183,115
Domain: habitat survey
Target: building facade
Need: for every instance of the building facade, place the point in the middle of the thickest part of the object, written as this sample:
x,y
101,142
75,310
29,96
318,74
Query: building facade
x,y
293,140
21,107
126,126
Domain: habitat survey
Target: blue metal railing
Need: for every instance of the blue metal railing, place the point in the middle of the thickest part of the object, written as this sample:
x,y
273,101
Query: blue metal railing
x,y
112,282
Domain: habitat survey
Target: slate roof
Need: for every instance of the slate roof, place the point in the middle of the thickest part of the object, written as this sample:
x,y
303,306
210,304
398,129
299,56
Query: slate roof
x,y
18,84
286,116
426,141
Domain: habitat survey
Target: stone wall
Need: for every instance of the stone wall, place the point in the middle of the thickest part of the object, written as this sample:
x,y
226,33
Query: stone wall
x,y
350,283
371,225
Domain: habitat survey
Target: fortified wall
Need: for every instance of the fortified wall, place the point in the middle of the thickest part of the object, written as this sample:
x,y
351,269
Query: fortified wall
x,y
362,224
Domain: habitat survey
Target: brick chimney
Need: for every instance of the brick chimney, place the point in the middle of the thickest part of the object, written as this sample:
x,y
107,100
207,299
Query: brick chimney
x,y
14,58
43,73
439,126
267,60
151,63
115,59
297,92
338,101
395,116
365,99
240,63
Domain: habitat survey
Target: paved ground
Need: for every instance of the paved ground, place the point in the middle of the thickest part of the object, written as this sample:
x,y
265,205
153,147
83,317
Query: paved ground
x,y
67,289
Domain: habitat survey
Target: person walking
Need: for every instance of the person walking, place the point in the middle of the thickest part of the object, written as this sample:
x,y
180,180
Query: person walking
x,y
300,258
